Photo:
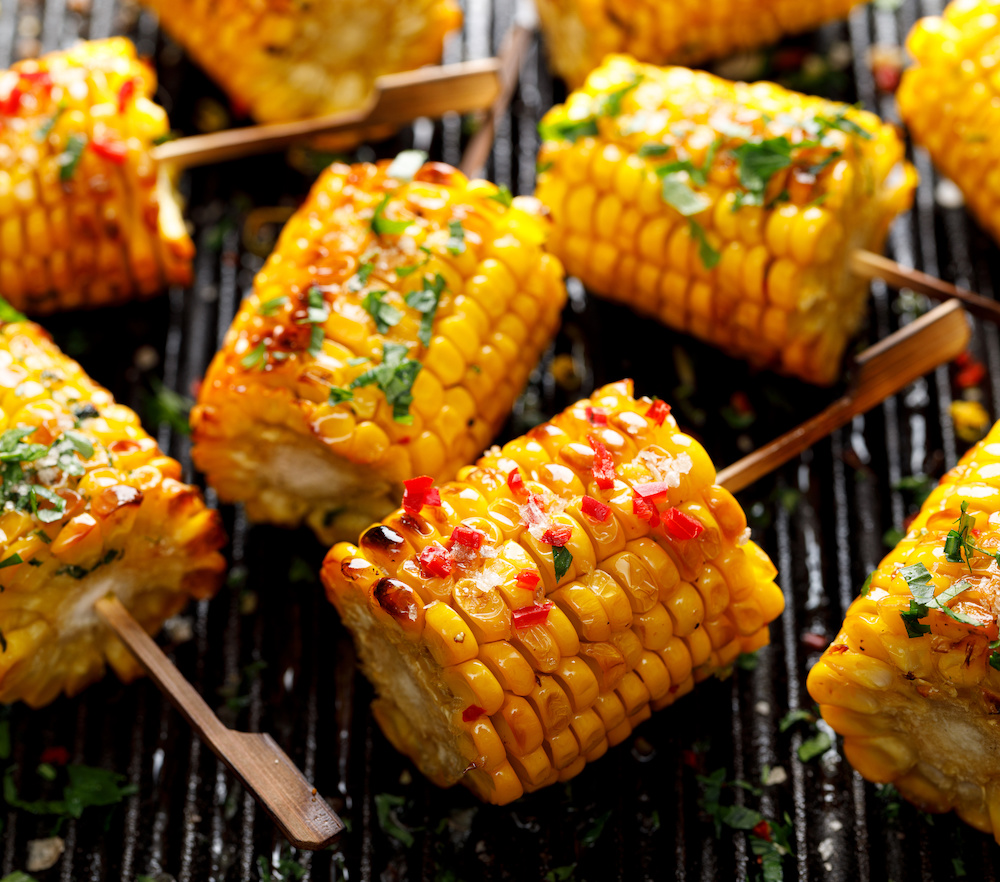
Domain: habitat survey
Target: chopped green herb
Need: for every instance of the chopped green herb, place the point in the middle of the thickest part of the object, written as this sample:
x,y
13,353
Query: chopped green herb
x,y
317,313
45,129
503,196
813,747
286,870
395,377
653,150
46,771
354,362
918,578
385,314
270,307
456,238
165,407
840,122
300,571
867,585
69,159
560,874
385,809
9,314
562,558
382,226
795,716
86,787
679,195
960,540
708,254
591,836
18,876
13,560
609,105
426,301
166,137
747,661
256,358
339,395
758,163
406,165
360,278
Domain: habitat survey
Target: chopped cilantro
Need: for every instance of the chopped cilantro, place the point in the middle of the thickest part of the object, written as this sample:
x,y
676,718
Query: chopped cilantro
x,y
45,129
758,163
317,313
385,809
300,571
381,225
456,238
591,836
557,874
9,314
609,105
918,578
339,395
813,747
11,561
169,408
795,716
86,787
256,358
747,661
503,196
426,301
679,195
960,540
385,314
287,869
270,307
395,377
562,558
867,585
654,150
995,655
406,165
360,278
839,121
69,159
709,255
18,876
354,362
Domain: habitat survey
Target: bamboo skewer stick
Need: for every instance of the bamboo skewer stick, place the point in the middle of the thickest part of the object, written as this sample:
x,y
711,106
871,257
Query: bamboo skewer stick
x,y
934,339
262,766
397,99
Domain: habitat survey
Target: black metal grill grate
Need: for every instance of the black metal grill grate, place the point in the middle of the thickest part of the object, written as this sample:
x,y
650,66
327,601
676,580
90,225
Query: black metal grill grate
x,y
821,519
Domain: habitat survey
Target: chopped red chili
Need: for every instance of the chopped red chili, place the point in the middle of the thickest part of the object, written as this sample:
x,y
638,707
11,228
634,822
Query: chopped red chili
x,y
658,411
971,375
645,510
681,526
595,510
604,464
516,483
38,78
528,579
653,490
435,561
470,537
557,536
597,416
535,614
125,94
10,105
472,712
418,492
56,756
762,830
107,148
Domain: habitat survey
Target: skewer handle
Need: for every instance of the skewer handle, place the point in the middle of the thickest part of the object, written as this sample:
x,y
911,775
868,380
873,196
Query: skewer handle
x,y
256,759
397,99
933,339
869,265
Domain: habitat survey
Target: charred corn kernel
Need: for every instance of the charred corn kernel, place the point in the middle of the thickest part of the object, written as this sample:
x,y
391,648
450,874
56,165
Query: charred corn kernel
x,y
948,100
282,61
590,624
913,680
759,265
92,508
350,368
86,218
579,33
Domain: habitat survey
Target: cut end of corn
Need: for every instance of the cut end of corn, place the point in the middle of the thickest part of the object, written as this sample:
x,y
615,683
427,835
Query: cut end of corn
x,y
282,61
86,217
913,680
728,211
579,33
388,336
522,619
89,506
950,102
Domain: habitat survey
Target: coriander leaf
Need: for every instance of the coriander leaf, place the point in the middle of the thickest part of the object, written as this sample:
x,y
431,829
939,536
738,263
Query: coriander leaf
x,y
18,876
406,165
759,162
13,560
360,278
339,395
385,808
747,661
270,307
395,377
385,314
382,226
911,620
866,587
611,103
45,129
793,717
165,407
654,150
503,196
740,817
918,579
426,302
679,195
995,660
256,358
840,122
89,786
708,254
69,159
456,238
81,443
594,833
819,744
9,314
562,558
566,130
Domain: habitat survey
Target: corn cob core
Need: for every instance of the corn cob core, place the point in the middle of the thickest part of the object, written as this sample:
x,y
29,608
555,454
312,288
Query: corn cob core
x,y
86,216
950,100
726,210
283,60
302,416
508,674
580,33
921,712
90,506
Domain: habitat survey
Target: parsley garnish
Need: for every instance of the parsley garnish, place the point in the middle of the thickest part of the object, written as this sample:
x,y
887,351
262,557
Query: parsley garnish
x,y
866,587
709,255
270,307
678,193
562,558
395,377
69,159
918,578
360,278
503,196
813,747
316,315
608,105
839,121
86,787
960,540
456,237
381,225
385,314
255,358
406,165
426,301
339,395
62,454
760,162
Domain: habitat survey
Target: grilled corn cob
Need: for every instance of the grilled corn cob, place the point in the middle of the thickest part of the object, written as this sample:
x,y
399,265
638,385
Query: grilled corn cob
x,y
725,210
388,335
90,506
912,681
522,619
579,33
86,216
949,100
293,59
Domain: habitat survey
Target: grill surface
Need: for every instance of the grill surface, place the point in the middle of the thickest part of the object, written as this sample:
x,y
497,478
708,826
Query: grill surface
x,y
821,519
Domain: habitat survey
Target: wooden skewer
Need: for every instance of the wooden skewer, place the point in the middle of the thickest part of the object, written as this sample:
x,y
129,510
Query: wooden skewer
x,y
396,100
256,759
869,265
933,339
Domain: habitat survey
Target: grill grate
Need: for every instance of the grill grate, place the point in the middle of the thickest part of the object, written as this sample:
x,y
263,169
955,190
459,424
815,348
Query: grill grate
x,y
821,519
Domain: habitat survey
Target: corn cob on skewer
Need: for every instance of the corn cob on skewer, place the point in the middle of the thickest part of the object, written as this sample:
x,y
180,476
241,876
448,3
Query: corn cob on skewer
x,y
912,681
388,335
949,99
580,33
726,210
90,507
294,59
595,574
86,216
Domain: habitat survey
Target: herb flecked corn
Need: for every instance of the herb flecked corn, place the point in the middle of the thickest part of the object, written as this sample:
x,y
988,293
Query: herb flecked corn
x,y
912,681
950,100
726,210
90,507
388,335
522,619
580,33
87,218
283,60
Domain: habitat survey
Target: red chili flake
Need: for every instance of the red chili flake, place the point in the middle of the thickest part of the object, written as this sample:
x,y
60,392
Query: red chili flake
x,y
418,492
472,712
762,830
692,759
557,536
535,614
10,105
470,537
604,464
112,150
645,510
435,561
125,94
971,375
815,641
681,526
597,416
516,483
528,579
595,510
38,78
839,648
653,490
56,756
963,359
658,412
